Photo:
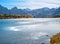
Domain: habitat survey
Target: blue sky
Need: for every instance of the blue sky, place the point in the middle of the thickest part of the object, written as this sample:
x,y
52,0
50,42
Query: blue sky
x,y
32,4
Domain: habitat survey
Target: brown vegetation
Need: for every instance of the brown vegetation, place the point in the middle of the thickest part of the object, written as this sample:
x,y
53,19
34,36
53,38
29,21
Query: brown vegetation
x,y
5,16
57,16
55,39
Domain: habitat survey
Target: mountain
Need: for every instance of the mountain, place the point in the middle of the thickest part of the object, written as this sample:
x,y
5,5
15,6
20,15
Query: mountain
x,y
43,12
3,10
38,13
15,10
57,11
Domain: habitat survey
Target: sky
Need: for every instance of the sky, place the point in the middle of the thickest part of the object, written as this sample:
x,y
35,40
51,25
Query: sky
x,y
31,4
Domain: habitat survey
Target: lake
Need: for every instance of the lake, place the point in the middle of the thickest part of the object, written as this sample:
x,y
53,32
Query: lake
x,y
28,30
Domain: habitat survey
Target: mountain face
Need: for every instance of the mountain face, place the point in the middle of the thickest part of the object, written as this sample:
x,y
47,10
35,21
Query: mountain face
x,y
57,11
3,10
15,10
42,12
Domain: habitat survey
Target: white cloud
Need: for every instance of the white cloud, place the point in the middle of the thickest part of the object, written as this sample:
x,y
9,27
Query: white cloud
x,y
34,4
42,3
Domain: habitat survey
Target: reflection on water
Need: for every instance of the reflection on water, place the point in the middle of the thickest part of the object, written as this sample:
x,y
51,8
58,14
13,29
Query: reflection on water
x,y
28,31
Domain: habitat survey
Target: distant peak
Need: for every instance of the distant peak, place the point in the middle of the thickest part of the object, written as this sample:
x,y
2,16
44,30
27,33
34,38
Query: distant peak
x,y
45,8
1,6
27,9
14,8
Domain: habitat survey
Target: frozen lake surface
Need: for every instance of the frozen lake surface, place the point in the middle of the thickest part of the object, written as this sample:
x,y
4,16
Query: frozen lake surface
x,y
28,31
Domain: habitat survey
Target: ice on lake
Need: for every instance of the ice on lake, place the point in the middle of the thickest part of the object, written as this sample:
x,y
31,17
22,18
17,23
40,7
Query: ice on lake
x,y
28,31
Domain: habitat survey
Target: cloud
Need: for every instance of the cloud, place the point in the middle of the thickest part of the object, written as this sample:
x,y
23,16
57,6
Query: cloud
x,y
42,3
32,4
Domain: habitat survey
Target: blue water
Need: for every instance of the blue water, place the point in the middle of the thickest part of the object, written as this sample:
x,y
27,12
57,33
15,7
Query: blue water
x,y
28,31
